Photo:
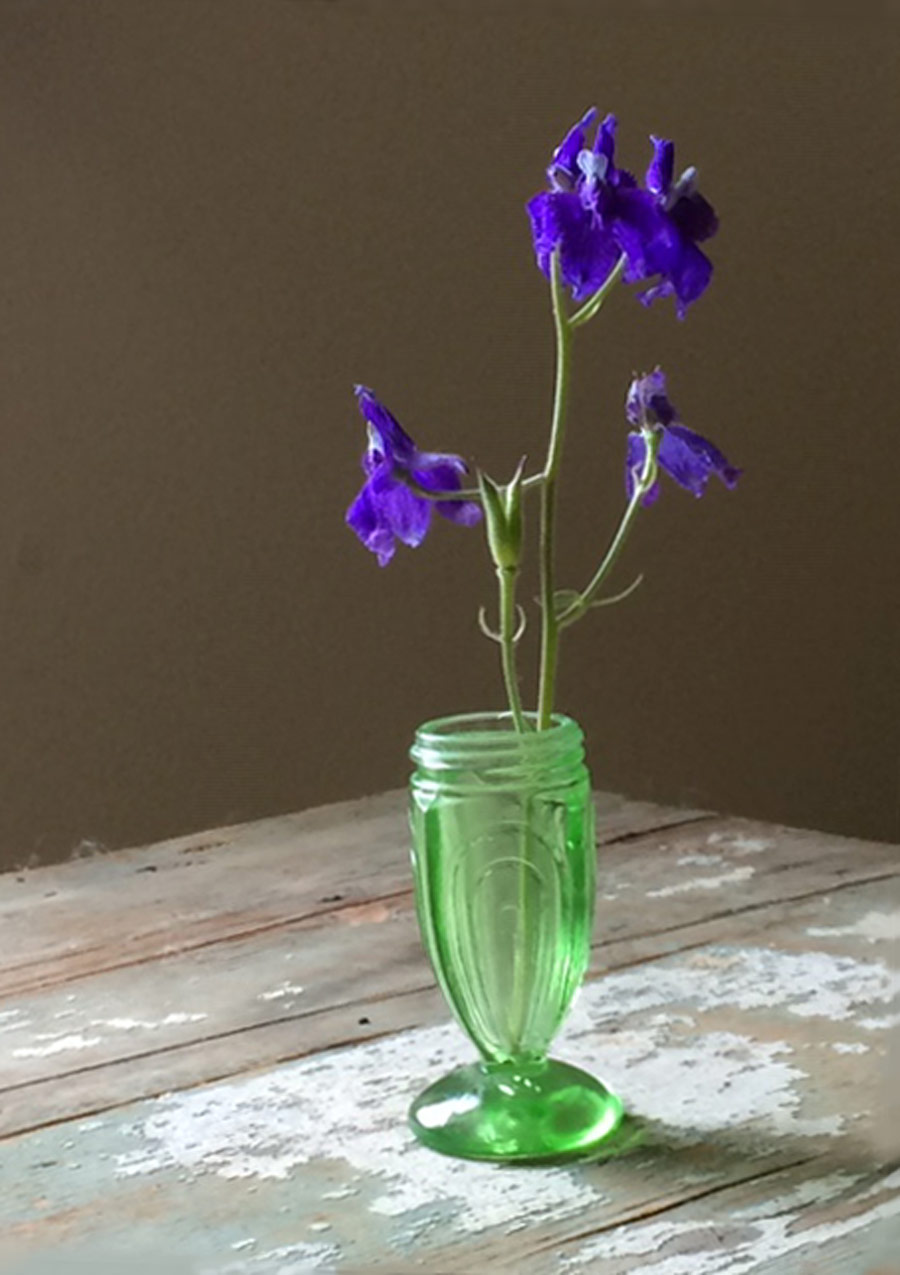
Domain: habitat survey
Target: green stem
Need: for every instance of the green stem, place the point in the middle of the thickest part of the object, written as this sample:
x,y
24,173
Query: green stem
x,y
549,625
652,440
577,609
593,304
466,493
507,578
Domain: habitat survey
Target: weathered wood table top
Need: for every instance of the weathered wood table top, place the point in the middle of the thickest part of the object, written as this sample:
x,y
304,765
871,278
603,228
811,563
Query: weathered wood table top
x,y
207,1048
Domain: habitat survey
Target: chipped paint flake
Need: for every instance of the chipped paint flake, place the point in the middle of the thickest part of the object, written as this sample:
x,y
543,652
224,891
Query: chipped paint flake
x,y
874,927
289,1259
806,984
748,1241
11,1020
739,845
699,860
850,1047
175,1019
703,883
56,1045
279,993
886,1023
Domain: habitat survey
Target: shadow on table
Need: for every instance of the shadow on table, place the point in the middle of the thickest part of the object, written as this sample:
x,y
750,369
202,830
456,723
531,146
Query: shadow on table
x,y
720,1150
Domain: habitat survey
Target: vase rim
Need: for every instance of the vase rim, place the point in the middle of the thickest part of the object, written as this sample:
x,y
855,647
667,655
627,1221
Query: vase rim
x,y
492,723
491,739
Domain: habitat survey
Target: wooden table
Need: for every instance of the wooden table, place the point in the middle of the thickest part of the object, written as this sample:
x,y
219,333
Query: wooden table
x,y
207,1048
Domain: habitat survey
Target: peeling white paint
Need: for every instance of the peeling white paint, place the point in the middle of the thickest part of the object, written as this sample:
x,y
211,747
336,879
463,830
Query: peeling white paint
x,y
56,1045
289,1259
665,1020
884,1024
267,1126
850,1047
175,1019
874,927
739,844
800,1196
703,883
732,1246
668,1069
806,984
11,1020
699,860
279,993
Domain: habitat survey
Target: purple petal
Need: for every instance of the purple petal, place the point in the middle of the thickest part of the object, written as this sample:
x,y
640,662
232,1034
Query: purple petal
x,y
636,451
715,460
659,174
365,519
691,459
544,228
387,439
690,272
695,216
638,224
465,513
565,157
407,515
437,472
605,141
588,249
681,461
684,269
647,402
656,293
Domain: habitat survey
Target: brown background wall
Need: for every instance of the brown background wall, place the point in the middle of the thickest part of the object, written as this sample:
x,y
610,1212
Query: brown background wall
x,y
218,214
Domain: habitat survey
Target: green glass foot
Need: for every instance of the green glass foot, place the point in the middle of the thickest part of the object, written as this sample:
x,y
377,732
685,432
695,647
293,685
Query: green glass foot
x,y
528,1112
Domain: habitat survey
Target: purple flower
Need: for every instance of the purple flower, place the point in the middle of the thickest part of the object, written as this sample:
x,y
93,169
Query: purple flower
x,y
687,219
687,457
593,212
386,509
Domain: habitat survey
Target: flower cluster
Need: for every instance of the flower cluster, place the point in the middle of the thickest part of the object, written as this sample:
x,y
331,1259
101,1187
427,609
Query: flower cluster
x,y
595,214
388,508
687,457
593,225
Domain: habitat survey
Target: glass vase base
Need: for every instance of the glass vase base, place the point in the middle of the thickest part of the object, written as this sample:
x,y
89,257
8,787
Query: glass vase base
x,y
516,1113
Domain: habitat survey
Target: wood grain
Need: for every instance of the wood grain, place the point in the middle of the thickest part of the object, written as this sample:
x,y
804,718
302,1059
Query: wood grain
x,y
106,912
209,1063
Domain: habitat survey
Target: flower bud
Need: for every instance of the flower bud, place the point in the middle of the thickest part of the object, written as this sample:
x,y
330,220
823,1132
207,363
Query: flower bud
x,y
503,518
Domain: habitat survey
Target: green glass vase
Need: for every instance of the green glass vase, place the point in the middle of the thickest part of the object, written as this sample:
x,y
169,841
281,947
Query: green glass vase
x,y
503,862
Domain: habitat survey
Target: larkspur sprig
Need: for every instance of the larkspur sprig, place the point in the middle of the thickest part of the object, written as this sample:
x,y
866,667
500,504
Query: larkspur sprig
x,y
593,228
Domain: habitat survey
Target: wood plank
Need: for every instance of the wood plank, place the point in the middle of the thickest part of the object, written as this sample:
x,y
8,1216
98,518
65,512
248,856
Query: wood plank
x,y
652,900
64,921
738,1060
246,1003
816,1217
